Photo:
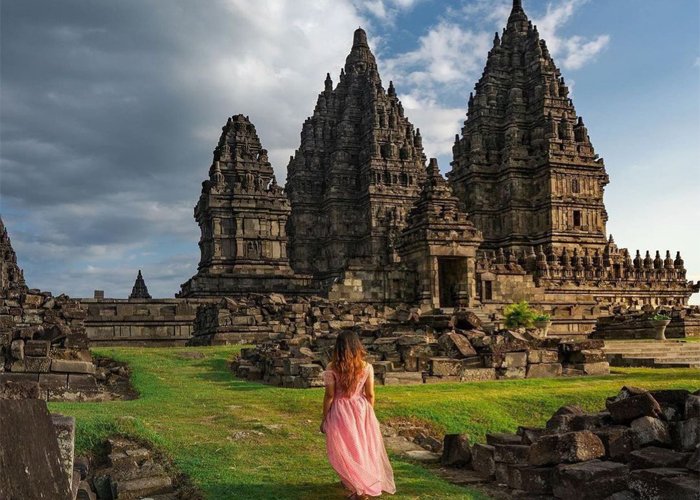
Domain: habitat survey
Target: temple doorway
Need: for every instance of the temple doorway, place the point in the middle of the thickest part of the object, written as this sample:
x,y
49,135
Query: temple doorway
x,y
452,277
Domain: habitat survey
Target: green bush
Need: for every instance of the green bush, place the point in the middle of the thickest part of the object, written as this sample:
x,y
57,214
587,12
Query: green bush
x,y
519,315
660,317
542,317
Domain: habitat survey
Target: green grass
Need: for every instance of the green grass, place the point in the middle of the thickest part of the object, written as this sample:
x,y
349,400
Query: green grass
x,y
198,413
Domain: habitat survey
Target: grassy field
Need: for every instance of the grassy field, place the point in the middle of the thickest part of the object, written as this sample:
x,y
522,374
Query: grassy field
x,y
238,439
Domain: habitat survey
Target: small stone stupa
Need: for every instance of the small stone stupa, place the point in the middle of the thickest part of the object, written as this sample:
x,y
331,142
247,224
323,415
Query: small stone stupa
x,y
140,290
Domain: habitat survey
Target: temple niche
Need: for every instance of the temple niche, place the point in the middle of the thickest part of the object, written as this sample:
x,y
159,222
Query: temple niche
x,y
242,215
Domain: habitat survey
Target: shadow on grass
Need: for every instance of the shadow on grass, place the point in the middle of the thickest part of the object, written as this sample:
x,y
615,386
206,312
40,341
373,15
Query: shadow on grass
x,y
219,370
264,491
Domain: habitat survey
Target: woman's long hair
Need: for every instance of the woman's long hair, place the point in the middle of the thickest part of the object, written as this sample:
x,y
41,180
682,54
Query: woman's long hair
x,y
348,360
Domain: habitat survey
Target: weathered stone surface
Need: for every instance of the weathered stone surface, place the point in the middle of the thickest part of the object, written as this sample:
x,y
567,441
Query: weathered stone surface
x,y
39,348
495,438
686,434
650,431
694,460
619,441
681,487
456,451
544,370
589,480
511,453
483,459
653,457
65,434
692,407
30,467
566,448
649,483
562,420
72,366
624,410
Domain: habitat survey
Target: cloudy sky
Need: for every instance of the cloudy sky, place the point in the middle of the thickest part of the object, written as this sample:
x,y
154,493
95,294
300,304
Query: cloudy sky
x,y
109,111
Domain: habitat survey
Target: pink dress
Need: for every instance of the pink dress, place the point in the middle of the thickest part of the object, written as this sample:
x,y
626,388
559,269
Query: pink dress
x,y
354,442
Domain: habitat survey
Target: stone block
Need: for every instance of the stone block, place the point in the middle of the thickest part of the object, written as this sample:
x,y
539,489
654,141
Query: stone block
x,y
38,348
456,451
653,457
82,382
530,434
681,487
694,460
691,407
650,431
511,453
570,447
29,453
590,480
619,441
587,356
483,459
72,366
65,433
534,480
544,370
630,408
37,365
511,373
515,360
600,368
17,349
495,438
686,434
141,487
649,483
476,374
562,419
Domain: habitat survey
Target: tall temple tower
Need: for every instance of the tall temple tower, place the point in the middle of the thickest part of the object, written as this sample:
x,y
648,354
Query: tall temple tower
x,y
139,290
524,167
11,276
242,214
357,172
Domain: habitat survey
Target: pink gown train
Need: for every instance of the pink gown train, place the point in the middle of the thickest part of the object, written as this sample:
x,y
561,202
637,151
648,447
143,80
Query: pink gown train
x,y
354,442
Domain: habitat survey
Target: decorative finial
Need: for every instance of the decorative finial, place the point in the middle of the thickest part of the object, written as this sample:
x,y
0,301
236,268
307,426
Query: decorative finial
x,y
359,38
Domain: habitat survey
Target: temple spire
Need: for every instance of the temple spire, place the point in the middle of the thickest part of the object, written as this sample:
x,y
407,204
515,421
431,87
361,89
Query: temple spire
x,y
139,291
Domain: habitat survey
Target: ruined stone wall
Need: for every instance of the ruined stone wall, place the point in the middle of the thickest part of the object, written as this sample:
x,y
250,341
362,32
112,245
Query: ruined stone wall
x,y
388,284
147,322
261,317
42,339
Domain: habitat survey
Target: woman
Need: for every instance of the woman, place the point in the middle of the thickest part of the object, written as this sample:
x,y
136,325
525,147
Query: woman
x,y
353,439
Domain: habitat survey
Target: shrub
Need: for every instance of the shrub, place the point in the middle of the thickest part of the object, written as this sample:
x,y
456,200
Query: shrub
x,y
519,315
542,317
659,317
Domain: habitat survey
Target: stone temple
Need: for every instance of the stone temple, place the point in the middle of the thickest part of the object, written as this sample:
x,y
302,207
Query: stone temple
x,y
364,217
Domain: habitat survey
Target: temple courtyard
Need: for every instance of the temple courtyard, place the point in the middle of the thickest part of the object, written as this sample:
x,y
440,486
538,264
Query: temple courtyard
x,y
240,439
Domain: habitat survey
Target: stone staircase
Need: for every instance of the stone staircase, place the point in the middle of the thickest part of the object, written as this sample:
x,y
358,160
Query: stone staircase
x,y
651,353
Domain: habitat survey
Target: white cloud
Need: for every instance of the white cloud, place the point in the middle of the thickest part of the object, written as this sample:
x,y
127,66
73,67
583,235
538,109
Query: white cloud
x,y
385,10
571,52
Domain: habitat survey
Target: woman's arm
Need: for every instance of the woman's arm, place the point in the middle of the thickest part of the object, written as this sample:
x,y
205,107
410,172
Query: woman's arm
x,y
327,400
369,386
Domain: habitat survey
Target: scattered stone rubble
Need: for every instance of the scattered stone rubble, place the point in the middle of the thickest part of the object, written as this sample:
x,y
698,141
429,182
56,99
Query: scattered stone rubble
x,y
410,348
262,317
130,471
644,445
